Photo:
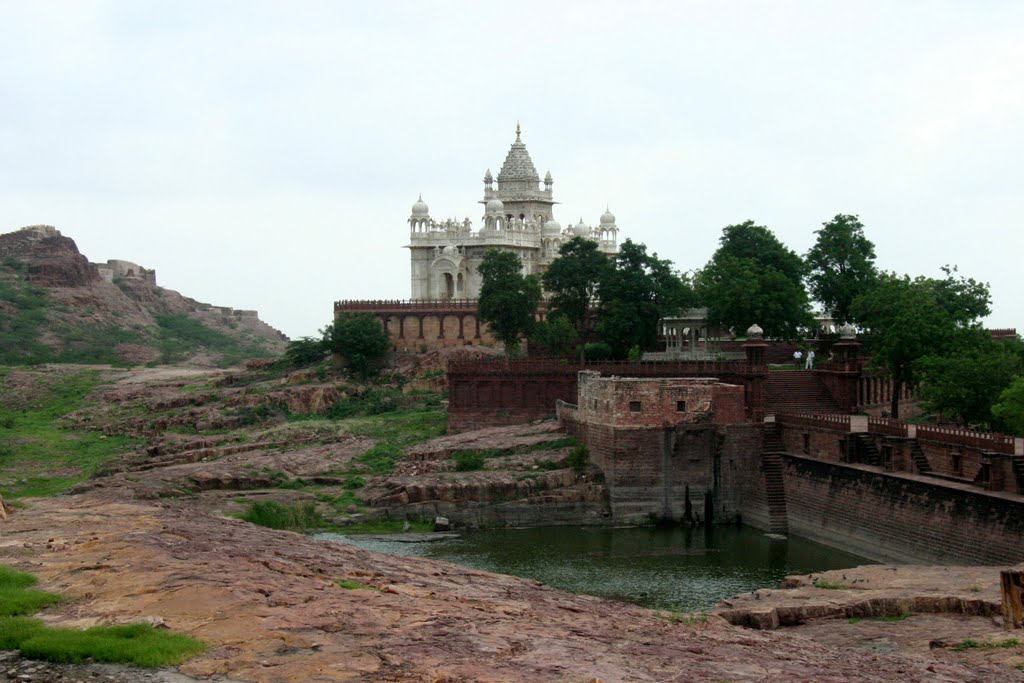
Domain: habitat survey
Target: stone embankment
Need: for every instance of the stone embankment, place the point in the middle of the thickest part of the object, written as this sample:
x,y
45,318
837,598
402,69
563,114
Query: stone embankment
x,y
525,480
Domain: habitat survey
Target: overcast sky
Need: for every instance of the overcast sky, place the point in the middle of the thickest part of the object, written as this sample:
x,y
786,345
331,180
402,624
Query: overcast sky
x,y
266,154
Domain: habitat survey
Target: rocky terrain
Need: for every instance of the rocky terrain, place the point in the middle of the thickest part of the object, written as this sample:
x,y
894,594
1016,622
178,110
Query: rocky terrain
x,y
155,466
57,306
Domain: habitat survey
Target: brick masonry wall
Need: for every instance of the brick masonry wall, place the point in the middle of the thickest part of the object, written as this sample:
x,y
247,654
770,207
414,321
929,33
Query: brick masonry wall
x,y
823,444
741,489
898,518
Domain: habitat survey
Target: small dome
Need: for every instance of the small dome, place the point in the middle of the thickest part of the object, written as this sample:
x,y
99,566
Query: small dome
x,y
488,178
755,332
581,229
450,250
495,205
847,331
547,178
553,227
607,218
420,208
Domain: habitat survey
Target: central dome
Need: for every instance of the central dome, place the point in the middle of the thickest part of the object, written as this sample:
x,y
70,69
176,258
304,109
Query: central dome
x,y
420,208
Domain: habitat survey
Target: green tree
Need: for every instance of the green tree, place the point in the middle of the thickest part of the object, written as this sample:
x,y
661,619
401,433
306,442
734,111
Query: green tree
x,y
508,299
572,280
634,295
967,381
753,278
909,319
1009,409
556,335
840,265
359,338
305,351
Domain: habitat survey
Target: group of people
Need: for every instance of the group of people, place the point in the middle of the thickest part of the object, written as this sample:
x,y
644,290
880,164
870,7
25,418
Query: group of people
x,y
798,356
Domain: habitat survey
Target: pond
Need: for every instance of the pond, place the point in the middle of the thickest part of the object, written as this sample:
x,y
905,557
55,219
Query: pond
x,y
672,568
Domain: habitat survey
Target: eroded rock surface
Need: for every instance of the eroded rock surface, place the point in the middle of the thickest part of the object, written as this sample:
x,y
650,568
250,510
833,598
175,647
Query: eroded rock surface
x,y
267,604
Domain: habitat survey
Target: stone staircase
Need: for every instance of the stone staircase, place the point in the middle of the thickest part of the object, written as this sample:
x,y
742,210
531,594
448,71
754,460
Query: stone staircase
x,y
921,463
797,391
1018,470
868,451
775,490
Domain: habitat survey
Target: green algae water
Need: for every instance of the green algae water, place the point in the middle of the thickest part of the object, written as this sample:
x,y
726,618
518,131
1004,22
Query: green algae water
x,y
662,567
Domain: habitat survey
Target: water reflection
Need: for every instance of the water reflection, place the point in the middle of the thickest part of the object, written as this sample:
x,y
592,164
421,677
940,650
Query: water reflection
x,y
671,568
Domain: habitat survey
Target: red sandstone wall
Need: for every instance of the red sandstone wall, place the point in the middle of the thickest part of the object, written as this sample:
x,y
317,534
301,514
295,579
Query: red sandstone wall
x,y
893,518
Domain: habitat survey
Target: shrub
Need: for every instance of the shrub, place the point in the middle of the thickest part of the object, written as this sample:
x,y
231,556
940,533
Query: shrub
x,y
293,516
359,338
579,458
467,461
306,351
597,351
381,457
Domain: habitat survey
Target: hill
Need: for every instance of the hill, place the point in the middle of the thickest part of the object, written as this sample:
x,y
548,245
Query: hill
x,y
57,307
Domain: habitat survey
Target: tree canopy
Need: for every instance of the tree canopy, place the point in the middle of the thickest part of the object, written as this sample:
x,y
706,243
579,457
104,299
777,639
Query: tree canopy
x,y
753,278
573,279
908,319
635,293
508,299
359,338
965,383
840,265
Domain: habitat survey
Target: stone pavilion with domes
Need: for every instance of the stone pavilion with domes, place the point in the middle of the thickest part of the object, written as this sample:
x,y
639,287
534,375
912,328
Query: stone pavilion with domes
x,y
518,217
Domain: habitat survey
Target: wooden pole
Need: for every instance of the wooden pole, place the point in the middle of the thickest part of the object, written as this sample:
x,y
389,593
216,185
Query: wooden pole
x,y
1012,581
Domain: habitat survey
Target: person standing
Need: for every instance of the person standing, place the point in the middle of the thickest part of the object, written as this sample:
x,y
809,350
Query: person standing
x,y
809,365
798,356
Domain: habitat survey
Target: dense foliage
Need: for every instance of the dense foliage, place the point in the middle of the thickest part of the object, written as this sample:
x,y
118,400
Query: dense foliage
x,y
634,294
359,338
508,299
965,384
754,278
573,279
908,319
840,266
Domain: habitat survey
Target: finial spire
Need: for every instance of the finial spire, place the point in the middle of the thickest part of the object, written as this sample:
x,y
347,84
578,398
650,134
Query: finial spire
x,y
517,132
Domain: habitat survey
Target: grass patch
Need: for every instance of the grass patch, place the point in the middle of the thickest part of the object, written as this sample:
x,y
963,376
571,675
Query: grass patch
x,y
381,457
17,597
830,585
292,517
41,457
971,644
467,461
138,644
178,335
351,585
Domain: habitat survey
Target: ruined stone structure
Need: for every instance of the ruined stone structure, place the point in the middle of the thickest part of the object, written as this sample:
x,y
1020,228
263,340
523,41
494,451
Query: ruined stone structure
x,y
518,217
488,392
660,443
116,268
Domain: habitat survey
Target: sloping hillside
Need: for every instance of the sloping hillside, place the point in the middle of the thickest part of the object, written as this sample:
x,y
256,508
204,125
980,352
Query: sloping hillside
x,y
56,306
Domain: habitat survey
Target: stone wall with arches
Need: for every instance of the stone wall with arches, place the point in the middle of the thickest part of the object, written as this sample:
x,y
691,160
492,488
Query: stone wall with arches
x,y
425,325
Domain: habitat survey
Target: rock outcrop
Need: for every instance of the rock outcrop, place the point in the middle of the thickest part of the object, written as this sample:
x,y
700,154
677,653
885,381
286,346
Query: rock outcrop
x,y
114,310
